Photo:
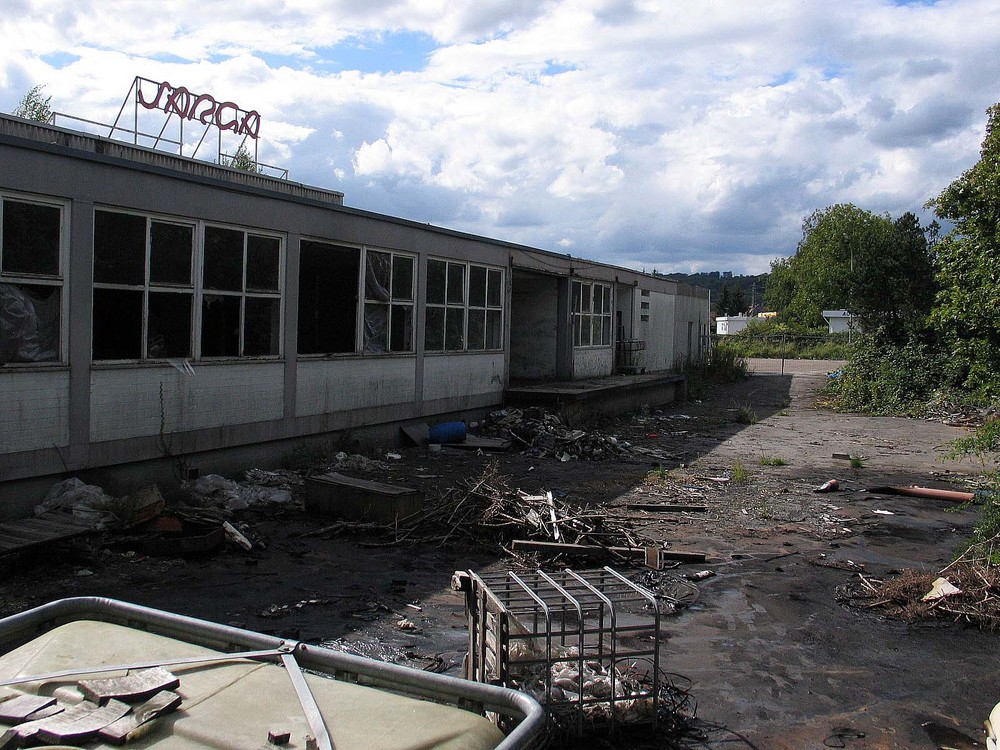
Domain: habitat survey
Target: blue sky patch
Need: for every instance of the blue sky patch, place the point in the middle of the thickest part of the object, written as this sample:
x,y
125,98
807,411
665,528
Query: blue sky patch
x,y
386,52
60,59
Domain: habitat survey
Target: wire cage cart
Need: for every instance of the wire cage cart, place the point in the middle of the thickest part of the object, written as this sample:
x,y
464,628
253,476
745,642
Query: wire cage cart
x,y
584,643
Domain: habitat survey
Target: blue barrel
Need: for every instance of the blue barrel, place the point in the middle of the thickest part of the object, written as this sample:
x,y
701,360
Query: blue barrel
x,y
447,432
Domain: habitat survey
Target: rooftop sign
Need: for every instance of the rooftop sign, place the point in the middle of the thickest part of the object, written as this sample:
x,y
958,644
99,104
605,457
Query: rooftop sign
x,y
202,107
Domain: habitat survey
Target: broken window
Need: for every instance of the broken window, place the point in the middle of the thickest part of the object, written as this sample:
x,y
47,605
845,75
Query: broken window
x,y
460,321
241,303
388,302
328,298
143,289
30,281
592,309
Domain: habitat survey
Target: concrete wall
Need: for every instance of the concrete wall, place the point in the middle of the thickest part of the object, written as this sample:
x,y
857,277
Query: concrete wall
x,y
341,385
593,362
34,409
655,326
691,321
468,374
533,330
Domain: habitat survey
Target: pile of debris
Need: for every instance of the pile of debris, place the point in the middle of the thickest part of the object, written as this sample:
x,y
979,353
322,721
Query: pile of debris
x,y
966,591
543,433
487,508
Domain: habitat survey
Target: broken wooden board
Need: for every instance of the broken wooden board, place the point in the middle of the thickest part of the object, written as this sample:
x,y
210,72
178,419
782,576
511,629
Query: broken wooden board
x,y
82,728
667,508
18,709
132,725
137,686
476,443
651,555
53,526
361,499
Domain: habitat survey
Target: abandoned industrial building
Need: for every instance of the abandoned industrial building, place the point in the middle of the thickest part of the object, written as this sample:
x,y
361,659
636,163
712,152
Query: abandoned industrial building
x,y
155,306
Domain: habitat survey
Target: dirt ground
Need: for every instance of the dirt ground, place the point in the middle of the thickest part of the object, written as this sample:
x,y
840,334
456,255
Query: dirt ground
x,y
771,656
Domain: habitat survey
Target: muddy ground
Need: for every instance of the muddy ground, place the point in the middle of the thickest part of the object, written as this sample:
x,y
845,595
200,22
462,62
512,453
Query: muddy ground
x,y
771,656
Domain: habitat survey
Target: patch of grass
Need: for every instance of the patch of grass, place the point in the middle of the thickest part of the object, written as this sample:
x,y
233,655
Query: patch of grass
x,y
773,461
657,476
739,474
745,414
857,462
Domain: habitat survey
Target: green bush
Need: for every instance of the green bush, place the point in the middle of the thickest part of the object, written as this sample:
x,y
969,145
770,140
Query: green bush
x,y
886,379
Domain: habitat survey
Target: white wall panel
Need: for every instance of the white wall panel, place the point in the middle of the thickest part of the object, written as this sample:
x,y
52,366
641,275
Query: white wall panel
x,y
126,402
327,386
593,363
34,410
463,375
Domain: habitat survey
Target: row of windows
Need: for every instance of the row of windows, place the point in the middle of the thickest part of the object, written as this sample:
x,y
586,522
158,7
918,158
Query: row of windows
x,y
168,289
591,314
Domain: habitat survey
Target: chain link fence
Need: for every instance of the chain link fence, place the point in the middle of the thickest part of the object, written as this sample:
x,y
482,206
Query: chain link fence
x,y
788,354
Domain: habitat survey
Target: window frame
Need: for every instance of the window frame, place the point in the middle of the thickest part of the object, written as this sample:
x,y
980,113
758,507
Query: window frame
x,y
149,286
361,342
57,280
584,315
467,307
244,293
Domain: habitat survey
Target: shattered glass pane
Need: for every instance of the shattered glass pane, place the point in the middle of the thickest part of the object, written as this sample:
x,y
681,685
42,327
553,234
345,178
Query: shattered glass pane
x,y
402,278
477,329
117,324
606,331
577,296
596,324
169,333
402,328
456,284
494,290
434,329
586,297
378,271
263,259
494,329
454,331
262,329
170,249
119,249
607,299
436,272
30,238
477,288
223,265
29,323
220,326
376,328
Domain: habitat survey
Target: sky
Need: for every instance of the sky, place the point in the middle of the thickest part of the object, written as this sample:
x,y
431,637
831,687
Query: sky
x,y
669,135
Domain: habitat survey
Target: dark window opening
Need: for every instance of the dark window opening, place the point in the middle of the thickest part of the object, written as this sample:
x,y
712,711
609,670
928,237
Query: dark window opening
x,y
29,323
262,326
169,325
263,257
30,239
220,326
117,324
328,298
223,259
119,248
170,248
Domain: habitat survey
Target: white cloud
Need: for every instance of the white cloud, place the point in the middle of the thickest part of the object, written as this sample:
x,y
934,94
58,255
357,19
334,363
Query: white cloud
x,y
661,135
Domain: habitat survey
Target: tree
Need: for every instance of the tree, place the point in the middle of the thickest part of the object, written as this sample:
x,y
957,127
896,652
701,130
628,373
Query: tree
x,y
35,106
967,260
725,301
850,258
242,160
738,304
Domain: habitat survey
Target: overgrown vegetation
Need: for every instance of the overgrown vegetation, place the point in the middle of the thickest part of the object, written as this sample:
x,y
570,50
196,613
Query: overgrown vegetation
x,y
720,365
35,105
739,474
773,461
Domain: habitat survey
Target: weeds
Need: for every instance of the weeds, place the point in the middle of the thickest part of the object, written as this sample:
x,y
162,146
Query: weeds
x,y
773,461
739,474
857,462
745,414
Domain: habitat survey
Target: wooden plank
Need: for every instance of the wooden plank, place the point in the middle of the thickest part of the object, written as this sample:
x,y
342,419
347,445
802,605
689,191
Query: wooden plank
x,y
137,686
84,727
590,550
50,527
17,710
136,724
665,508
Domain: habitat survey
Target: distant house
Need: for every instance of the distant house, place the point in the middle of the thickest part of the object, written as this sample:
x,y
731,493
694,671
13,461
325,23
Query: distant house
x,y
840,321
727,325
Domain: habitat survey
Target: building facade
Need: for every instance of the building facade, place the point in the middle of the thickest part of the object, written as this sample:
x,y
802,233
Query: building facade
x,y
154,307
